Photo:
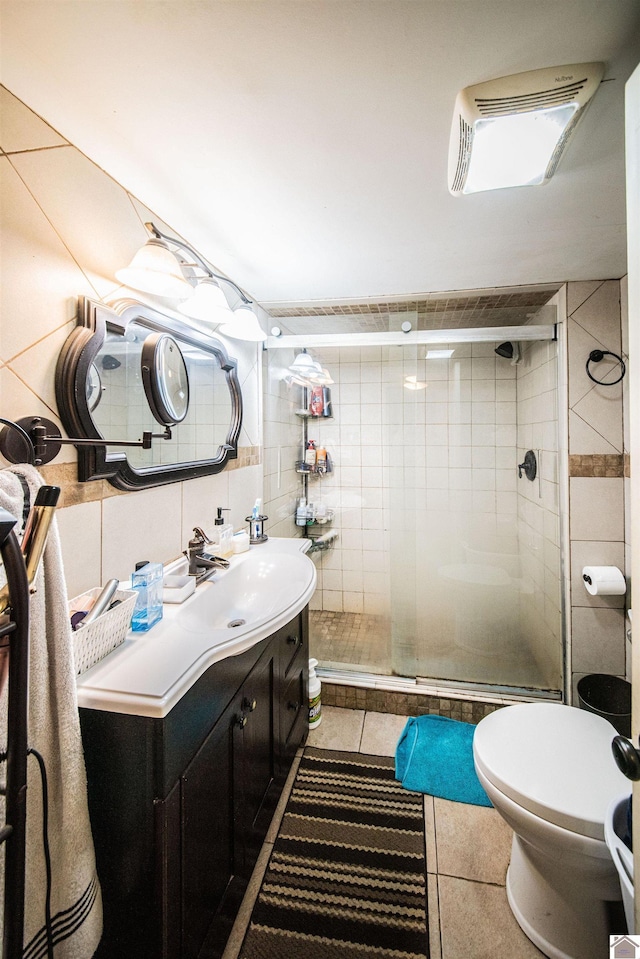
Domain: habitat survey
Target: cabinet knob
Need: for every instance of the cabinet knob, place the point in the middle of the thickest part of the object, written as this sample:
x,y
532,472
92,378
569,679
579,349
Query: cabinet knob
x,y
293,640
241,721
295,706
249,704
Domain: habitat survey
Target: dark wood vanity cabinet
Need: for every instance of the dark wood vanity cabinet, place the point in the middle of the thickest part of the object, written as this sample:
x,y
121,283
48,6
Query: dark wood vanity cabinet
x,y
180,806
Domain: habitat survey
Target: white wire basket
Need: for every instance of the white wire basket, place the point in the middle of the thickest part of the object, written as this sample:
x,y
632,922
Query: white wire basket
x,y
95,641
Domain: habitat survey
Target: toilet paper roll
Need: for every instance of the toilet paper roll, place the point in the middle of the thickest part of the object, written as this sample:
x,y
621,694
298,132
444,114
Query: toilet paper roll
x,y
604,581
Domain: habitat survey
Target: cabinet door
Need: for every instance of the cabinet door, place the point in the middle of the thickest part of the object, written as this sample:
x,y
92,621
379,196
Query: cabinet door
x,y
255,758
208,843
293,694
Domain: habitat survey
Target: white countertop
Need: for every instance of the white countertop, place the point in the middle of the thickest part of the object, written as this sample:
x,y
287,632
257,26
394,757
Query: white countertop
x,y
151,671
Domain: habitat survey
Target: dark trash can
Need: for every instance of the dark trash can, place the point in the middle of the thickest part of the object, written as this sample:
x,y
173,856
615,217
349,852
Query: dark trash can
x,y
608,696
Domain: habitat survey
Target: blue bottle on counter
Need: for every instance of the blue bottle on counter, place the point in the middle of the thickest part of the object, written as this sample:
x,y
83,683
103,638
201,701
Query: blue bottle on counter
x,y
147,582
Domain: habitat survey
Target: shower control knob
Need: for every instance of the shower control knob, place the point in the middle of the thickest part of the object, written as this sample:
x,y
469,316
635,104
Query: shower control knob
x,y
530,466
627,757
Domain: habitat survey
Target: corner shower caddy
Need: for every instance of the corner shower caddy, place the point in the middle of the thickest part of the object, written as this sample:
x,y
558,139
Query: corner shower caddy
x,y
305,415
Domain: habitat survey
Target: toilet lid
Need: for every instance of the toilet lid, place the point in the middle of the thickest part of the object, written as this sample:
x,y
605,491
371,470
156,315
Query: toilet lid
x,y
553,760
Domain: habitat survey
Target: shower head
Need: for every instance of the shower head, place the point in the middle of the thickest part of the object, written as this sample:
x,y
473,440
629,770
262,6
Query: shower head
x,y
506,350
510,351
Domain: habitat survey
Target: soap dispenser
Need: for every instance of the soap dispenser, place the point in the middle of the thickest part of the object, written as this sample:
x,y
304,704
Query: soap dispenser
x,y
222,538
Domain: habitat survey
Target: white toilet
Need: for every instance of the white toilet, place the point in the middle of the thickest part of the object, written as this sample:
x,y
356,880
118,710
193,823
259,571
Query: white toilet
x,y
549,771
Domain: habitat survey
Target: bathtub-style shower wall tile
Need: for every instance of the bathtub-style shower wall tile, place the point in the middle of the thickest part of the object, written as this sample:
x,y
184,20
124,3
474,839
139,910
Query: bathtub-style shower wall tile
x,y
81,542
18,400
21,128
598,640
594,553
597,508
200,499
584,439
100,228
144,525
38,272
36,366
599,315
601,408
581,344
579,293
245,487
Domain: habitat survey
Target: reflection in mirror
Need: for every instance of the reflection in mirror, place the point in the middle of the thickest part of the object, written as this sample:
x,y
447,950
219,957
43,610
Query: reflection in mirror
x,y
94,387
107,369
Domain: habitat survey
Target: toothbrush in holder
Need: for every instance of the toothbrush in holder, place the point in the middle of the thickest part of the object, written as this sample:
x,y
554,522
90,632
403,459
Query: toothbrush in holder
x,y
256,528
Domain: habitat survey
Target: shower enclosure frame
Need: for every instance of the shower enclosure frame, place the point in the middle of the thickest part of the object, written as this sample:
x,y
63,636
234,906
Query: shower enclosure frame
x,y
554,332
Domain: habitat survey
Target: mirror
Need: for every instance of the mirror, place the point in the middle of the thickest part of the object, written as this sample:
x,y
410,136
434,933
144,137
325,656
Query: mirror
x,y
165,378
128,367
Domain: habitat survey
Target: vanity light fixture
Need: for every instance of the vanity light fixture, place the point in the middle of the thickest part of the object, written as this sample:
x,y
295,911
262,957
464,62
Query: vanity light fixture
x,y
513,131
207,304
154,269
158,269
243,325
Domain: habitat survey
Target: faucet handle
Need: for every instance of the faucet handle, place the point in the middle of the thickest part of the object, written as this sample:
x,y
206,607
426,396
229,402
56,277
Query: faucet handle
x,y
200,536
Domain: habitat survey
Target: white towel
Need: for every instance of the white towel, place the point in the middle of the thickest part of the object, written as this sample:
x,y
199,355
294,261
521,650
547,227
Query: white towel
x,y
54,730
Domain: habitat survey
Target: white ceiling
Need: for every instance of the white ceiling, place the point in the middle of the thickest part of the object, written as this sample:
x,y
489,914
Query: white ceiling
x,y
301,146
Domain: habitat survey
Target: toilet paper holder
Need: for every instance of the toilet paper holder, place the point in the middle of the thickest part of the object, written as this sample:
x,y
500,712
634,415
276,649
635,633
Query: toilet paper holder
x,y
604,581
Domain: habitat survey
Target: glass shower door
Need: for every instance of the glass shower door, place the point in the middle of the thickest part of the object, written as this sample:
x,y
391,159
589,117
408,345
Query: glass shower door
x,y
474,553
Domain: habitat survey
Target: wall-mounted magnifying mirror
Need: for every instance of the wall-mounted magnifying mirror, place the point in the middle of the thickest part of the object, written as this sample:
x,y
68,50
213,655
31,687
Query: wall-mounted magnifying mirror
x,y
127,366
165,378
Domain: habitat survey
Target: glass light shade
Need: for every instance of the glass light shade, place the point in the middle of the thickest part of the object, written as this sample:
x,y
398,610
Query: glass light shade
x,y
243,326
305,364
515,150
155,269
208,304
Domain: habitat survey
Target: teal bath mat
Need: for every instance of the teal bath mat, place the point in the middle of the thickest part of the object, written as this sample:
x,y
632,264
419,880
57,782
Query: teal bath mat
x,y
434,755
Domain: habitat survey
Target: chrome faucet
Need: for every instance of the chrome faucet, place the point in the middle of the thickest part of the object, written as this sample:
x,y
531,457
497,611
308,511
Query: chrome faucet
x,y
201,564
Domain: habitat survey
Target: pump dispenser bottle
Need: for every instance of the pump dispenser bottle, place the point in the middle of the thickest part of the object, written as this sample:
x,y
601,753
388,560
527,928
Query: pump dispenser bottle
x,y
222,538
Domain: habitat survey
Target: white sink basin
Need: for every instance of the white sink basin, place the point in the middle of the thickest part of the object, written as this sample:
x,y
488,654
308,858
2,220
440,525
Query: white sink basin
x,y
259,588
263,590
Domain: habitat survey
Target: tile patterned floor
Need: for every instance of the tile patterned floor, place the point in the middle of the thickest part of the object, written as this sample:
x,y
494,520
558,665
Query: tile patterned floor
x,y
362,643
468,850
356,640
